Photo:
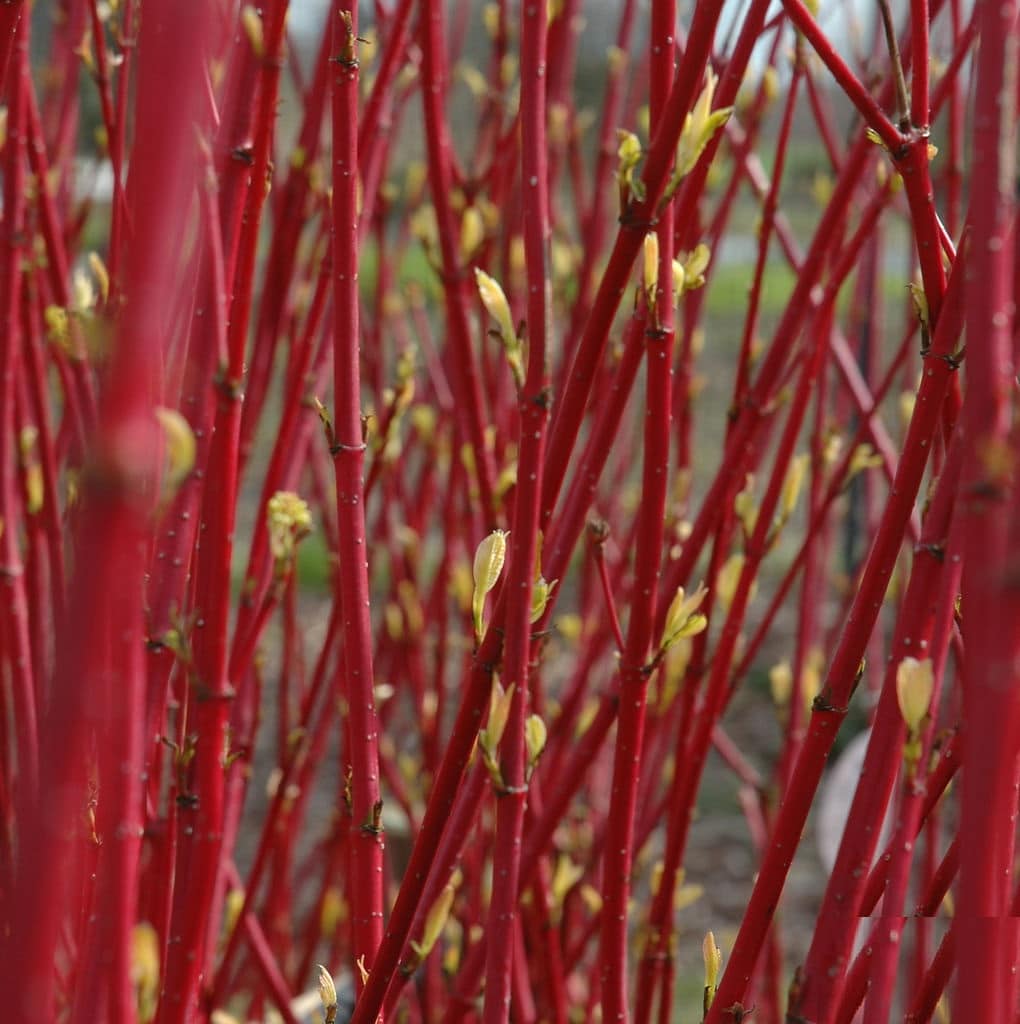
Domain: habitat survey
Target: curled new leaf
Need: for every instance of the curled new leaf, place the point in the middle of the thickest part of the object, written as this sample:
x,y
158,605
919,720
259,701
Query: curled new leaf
x,y
488,564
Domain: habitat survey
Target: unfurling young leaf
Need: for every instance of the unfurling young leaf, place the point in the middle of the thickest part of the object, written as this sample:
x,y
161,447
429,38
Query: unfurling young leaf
x,y
682,618
699,129
488,565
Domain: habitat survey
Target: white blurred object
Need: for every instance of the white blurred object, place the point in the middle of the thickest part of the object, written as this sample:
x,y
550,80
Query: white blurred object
x,y
837,795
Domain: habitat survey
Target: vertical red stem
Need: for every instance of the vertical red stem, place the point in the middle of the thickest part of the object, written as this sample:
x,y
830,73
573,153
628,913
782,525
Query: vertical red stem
x,y
348,450
533,408
991,696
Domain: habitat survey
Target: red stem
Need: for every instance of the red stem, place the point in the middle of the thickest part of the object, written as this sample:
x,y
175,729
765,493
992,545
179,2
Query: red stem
x,y
991,698
348,450
534,414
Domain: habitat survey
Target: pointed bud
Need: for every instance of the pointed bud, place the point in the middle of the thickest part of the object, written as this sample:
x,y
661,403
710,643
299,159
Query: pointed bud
x,y
495,301
728,579
915,682
650,277
499,713
712,956
327,993
679,279
792,484
180,445
535,736
472,233
629,154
